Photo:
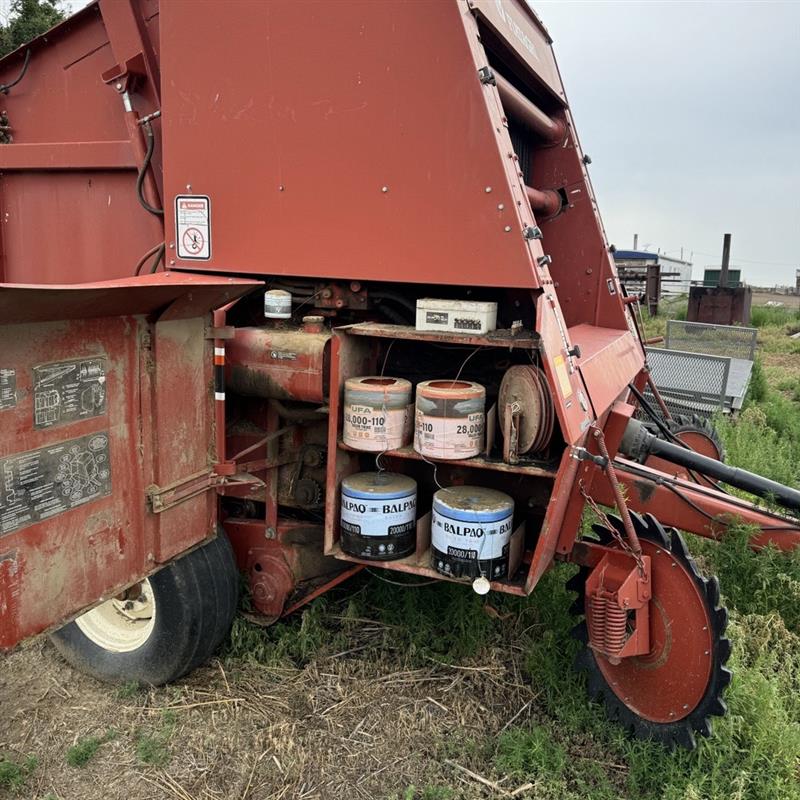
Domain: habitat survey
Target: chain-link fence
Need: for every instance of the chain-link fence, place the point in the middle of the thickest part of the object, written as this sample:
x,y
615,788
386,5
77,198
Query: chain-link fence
x,y
718,340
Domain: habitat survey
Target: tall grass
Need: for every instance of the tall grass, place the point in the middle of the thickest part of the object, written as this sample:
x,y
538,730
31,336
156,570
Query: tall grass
x,y
765,316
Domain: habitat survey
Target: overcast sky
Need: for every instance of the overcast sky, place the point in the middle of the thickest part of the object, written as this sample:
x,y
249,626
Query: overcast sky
x,y
691,114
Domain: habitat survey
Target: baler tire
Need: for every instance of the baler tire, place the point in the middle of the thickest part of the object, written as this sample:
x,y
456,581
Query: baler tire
x,y
195,600
681,732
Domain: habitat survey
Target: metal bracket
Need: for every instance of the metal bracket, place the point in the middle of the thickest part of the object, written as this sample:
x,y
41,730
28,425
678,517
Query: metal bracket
x,y
582,454
531,232
485,75
162,498
511,433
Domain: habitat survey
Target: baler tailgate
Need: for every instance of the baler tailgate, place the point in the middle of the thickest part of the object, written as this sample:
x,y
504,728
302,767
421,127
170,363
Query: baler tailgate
x,y
106,391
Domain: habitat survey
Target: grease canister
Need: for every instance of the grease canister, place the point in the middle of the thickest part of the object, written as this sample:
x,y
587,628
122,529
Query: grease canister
x,y
376,413
471,529
379,515
449,419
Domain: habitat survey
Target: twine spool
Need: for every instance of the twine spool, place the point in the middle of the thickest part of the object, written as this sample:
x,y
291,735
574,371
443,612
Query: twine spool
x,y
379,515
471,529
376,413
277,304
450,419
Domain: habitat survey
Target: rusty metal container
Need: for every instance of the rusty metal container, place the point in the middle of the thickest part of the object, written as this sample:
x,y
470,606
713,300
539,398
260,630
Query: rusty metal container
x,y
282,364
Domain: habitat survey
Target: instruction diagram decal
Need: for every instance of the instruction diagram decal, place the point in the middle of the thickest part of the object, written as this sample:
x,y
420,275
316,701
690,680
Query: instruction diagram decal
x,y
68,391
193,226
42,483
8,388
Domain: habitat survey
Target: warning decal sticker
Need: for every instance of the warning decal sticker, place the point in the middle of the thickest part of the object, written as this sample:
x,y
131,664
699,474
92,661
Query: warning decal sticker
x,y
8,388
42,483
563,377
193,226
68,391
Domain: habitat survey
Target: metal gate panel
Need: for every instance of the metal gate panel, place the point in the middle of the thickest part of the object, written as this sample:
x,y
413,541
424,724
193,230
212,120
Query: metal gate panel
x,y
99,411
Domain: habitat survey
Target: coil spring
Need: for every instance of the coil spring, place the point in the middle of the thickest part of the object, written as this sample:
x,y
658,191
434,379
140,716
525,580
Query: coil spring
x,y
608,624
615,628
597,621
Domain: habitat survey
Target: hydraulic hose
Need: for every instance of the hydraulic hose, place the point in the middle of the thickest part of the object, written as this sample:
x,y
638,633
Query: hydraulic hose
x,y
157,251
4,87
151,146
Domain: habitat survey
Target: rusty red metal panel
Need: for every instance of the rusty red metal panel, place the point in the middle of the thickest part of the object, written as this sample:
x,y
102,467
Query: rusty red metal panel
x,y
68,176
94,423
610,359
570,397
380,155
516,23
173,294
79,227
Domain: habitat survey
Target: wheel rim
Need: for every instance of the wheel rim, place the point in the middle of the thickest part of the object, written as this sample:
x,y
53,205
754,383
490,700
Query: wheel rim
x,y
124,623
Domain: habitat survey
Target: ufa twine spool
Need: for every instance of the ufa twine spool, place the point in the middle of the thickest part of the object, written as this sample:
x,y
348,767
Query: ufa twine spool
x,y
450,419
376,413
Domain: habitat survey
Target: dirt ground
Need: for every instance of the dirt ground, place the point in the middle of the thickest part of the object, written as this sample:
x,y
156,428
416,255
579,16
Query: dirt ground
x,y
338,728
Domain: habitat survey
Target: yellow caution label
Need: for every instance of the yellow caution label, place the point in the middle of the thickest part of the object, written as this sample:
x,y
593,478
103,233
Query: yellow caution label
x,y
562,375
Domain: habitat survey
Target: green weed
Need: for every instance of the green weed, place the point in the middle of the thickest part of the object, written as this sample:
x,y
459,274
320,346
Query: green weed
x,y
128,690
765,582
84,750
152,748
14,774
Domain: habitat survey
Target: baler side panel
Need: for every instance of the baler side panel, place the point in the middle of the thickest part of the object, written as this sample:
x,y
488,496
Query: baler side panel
x,y
67,180
374,155
106,440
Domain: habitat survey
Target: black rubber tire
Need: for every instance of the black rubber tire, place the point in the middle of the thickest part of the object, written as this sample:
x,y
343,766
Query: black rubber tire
x,y
196,599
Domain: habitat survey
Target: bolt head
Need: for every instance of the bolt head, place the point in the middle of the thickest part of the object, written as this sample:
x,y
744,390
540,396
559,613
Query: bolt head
x,y
507,229
500,206
118,87
488,189
384,189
